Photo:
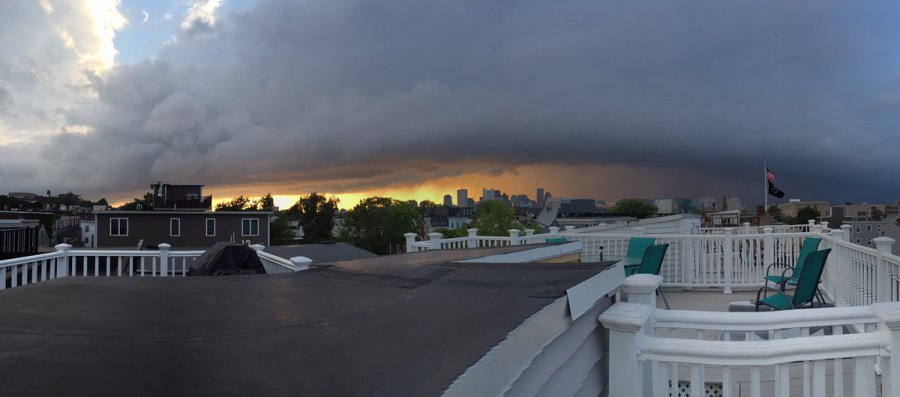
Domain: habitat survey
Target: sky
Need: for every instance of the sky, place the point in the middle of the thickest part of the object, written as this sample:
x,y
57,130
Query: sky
x,y
586,98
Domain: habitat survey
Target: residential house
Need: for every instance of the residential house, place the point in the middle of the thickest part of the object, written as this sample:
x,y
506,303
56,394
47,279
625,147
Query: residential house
x,y
862,232
181,228
179,197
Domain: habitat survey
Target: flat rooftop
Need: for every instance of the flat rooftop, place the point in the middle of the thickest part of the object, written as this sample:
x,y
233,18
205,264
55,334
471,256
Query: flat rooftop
x,y
392,325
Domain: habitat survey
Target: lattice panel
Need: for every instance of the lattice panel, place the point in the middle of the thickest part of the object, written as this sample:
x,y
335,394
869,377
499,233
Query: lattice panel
x,y
684,389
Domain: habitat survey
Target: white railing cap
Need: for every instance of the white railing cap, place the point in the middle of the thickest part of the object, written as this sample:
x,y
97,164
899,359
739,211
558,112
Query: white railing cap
x,y
626,316
643,282
761,353
301,260
889,313
63,247
761,321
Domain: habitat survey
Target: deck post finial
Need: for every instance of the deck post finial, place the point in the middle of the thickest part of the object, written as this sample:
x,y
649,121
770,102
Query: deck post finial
x,y
62,264
410,239
164,259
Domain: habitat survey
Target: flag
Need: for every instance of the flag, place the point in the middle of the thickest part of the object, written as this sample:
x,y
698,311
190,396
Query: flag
x,y
774,190
770,175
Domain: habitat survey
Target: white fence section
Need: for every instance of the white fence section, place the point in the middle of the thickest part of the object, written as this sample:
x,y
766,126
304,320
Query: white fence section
x,y
801,352
118,263
437,241
854,275
747,229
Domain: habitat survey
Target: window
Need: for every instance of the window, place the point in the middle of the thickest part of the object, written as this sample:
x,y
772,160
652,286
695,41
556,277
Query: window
x,y
118,226
174,227
869,228
210,227
249,227
857,240
869,242
87,229
857,229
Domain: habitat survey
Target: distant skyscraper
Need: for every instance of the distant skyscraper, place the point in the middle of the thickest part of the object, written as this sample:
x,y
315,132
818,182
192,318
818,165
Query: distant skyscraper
x,y
490,194
540,197
471,202
448,200
462,198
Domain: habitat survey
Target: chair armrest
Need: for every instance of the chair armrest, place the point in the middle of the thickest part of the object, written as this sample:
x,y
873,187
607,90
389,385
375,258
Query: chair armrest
x,y
769,268
784,274
766,288
630,269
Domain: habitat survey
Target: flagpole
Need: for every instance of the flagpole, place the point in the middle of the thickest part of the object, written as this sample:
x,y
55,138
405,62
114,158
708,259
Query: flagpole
x,y
766,187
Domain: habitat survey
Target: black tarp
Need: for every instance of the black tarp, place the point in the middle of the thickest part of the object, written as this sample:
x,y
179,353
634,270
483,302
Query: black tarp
x,y
225,259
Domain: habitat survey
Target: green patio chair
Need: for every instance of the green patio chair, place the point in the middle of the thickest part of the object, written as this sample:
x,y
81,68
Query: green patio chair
x,y
651,263
807,285
790,273
635,254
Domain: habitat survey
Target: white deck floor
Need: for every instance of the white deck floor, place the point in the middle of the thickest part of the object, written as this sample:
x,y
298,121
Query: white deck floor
x,y
704,300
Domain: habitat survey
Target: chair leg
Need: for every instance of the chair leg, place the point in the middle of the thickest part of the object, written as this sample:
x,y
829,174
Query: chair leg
x,y
820,297
663,295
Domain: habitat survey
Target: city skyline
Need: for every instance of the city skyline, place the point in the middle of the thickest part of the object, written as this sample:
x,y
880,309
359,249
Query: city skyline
x,y
354,98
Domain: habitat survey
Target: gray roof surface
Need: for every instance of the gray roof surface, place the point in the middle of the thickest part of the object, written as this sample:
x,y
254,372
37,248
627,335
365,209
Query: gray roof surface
x,y
321,252
390,326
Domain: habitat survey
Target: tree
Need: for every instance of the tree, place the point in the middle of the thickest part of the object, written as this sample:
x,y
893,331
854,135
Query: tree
x,y
141,204
239,203
807,213
266,203
102,201
427,204
461,231
775,212
377,223
877,215
280,232
494,218
316,215
634,207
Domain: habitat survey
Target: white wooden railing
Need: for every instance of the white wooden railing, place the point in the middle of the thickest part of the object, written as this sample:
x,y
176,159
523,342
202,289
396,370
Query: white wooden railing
x,y
162,262
747,229
657,352
854,275
473,240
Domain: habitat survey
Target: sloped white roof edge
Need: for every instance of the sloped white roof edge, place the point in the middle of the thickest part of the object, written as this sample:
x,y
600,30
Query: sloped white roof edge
x,y
532,255
502,366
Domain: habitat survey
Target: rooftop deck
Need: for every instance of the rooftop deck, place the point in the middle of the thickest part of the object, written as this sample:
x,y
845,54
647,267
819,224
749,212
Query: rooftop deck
x,y
698,344
393,325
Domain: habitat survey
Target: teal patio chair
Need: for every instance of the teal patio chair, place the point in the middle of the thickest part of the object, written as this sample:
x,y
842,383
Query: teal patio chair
x,y
807,285
636,248
790,273
651,263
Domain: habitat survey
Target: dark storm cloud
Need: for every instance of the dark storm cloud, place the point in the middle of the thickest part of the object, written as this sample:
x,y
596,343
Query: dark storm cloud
x,y
358,94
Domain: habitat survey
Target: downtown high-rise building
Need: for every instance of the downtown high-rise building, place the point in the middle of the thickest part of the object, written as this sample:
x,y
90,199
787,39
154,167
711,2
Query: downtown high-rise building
x,y
462,197
448,200
540,197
